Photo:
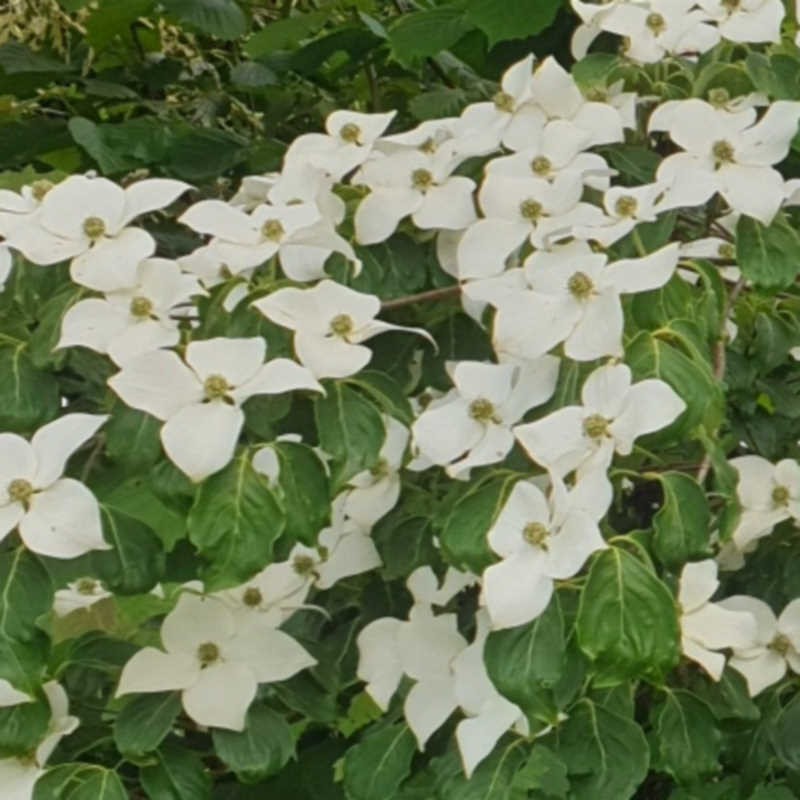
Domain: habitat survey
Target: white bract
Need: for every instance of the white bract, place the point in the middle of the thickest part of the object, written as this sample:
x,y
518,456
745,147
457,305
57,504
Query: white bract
x,y
80,594
216,659
55,516
615,412
471,425
706,627
746,20
200,399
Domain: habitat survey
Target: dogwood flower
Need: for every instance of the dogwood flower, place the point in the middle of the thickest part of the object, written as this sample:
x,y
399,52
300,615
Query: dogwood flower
x,y
626,207
329,322
132,320
216,659
539,541
412,183
751,21
79,594
471,425
707,627
55,516
615,412
776,645
768,494
86,219
19,775
19,208
200,399
726,153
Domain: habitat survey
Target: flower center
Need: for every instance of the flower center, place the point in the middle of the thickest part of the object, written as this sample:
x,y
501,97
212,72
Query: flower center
x,y
272,230
482,410
503,101
536,534
20,491
141,308
626,206
541,165
780,496
531,210
428,146
342,325
727,251
252,597
730,5
303,565
596,94
215,387
580,285
421,179
350,133
39,189
656,23
86,586
94,228
723,153
780,645
381,469
207,654
718,97
595,426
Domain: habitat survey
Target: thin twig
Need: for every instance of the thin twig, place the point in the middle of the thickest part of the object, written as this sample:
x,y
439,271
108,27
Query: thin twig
x,y
422,297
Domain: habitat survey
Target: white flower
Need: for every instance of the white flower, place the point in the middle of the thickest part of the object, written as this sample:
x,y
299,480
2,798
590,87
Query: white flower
x,y
708,627
9,696
471,425
613,415
768,495
216,659
573,297
776,645
329,322
626,207
412,183
86,219
18,209
133,320
82,593
374,492
200,399
540,541
55,516
726,153
751,21
350,138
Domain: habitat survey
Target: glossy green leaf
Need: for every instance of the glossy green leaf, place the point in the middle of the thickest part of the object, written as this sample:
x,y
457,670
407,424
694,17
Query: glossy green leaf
x,y
26,593
143,722
375,767
682,525
768,255
511,19
179,774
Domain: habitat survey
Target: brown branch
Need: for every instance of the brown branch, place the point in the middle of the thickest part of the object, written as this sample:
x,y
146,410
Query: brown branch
x,y
422,297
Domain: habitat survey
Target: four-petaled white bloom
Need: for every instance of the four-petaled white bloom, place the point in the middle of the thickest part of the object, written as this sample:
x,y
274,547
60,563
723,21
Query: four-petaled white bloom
x,y
746,20
708,627
216,659
471,425
775,647
200,399
615,412
55,516
541,540
79,594
329,322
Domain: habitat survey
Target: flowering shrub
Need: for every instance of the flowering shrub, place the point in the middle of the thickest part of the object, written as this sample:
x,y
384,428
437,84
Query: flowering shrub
x,y
448,462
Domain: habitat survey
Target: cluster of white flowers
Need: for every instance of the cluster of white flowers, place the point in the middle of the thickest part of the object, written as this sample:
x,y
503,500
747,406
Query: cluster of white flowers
x,y
526,246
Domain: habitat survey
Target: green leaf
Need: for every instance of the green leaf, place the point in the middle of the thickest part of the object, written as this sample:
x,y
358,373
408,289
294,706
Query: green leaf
x,y
470,517
768,256
101,784
393,269
619,603
26,593
90,137
16,57
606,755
785,734
687,738
681,526
378,764
22,727
261,750
386,392
28,397
422,34
143,723
493,779
234,523
132,437
511,19
350,429
22,663
525,662
285,33
179,774
545,772
221,18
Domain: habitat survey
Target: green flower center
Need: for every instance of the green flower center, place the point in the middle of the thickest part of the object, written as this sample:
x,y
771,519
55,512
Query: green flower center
x,y
94,228
207,654
342,325
722,152
20,491
656,23
541,165
350,133
482,410
626,206
141,308
596,94
40,188
780,496
272,230
727,251
86,586
215,387
428,146
381,469
718,97
780,645
536,534
531,210
503,101
595,426
421,179
580,285
731,5
303,565
252,597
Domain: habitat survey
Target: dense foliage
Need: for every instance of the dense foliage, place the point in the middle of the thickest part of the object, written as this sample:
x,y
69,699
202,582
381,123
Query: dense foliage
x,y
399,400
